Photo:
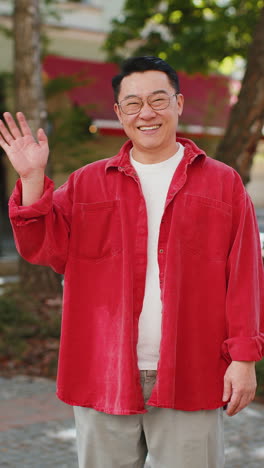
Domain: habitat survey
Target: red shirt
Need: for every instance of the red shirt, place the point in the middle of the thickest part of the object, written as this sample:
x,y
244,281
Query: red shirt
x,y
93,230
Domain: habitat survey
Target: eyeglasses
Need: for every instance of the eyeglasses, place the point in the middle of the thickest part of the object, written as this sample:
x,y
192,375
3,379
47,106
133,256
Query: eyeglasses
x,y
157,101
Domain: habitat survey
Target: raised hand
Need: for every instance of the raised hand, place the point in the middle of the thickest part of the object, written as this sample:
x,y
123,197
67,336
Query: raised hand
x,y
27,156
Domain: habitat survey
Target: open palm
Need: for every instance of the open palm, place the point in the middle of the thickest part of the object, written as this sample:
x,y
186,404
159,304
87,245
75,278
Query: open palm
x,y
25,154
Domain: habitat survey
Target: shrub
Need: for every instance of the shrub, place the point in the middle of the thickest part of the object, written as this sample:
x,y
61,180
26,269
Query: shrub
x,y
29,332
260,377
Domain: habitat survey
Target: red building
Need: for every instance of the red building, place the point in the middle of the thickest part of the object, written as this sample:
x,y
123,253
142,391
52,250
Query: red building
x,y
207,98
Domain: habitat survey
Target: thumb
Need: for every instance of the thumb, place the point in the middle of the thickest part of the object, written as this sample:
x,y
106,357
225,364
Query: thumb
x,y
227,390
42,137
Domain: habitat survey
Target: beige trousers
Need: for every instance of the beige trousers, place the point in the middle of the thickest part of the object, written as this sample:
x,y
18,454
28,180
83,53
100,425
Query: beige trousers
x,y
171,438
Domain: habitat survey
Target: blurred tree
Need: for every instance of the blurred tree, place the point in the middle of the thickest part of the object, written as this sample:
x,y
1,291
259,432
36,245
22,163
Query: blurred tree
x,y
29,98
204,36
192,35
3,194
69,124
246,121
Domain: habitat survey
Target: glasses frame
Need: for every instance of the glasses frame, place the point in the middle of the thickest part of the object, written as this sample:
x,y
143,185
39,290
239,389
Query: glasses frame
x,y
170,96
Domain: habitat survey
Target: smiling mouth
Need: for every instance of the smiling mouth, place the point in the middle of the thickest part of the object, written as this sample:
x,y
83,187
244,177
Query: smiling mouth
x,y
150,127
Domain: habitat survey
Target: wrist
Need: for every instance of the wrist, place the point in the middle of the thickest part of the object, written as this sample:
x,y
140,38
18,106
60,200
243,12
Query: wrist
x,y
32,188
33,177
246,363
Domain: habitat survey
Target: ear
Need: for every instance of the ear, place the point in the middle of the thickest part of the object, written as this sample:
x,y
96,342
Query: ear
x,y
118,113
180,103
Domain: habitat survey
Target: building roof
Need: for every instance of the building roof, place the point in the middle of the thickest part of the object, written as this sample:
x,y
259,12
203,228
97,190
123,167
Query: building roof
x,y
207,98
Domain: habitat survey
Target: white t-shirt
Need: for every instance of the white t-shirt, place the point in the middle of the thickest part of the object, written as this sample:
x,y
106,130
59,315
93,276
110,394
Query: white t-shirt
x,y
155,180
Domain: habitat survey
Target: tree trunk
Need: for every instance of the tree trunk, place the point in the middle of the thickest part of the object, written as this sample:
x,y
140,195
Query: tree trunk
x,y
244,129
29,98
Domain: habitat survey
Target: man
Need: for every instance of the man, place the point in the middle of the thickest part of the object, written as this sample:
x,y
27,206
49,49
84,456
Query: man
x,y
160,253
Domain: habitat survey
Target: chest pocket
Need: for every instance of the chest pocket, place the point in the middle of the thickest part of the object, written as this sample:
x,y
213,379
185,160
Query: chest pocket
x,y
206,226
96,230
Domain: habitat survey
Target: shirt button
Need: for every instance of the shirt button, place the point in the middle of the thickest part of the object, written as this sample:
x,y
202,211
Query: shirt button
x,y
161,250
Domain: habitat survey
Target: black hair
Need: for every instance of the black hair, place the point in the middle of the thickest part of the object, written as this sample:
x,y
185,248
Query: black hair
x,y
142,64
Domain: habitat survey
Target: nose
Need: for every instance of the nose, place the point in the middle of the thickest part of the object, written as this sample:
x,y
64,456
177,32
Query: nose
x,y
146,111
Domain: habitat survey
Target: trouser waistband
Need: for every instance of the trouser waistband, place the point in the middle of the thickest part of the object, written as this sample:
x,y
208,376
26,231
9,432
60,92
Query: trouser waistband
x,y
148,373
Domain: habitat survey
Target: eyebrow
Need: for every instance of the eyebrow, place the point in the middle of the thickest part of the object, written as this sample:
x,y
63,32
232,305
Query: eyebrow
x,y
158,91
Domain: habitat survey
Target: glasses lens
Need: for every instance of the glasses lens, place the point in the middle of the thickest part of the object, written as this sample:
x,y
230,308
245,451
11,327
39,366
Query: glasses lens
x,y
131,105
159,101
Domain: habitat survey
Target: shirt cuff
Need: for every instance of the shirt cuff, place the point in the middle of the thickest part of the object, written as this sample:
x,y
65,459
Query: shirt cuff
x,y
244,348
26,214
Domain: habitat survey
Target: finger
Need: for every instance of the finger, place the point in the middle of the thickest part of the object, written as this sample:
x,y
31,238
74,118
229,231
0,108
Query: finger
x,y
13,128
42,137
233,404
25,128
3,144
244,401
5,133
227,390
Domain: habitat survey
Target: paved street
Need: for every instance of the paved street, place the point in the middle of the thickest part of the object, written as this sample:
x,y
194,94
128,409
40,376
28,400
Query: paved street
x,y
37,430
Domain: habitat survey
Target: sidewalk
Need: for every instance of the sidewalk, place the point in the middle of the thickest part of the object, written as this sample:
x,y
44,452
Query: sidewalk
x,y
37,430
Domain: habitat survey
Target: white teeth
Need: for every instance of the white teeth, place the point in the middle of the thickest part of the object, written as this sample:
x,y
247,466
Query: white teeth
x,y
153,127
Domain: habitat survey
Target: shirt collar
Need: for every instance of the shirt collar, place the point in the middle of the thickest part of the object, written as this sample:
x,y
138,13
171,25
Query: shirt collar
x,y
122,159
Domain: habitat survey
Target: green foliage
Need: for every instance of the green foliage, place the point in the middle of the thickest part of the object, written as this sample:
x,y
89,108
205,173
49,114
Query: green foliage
x,y
192,35
73,127
23,316
260,377
49,9
7,32
6,88
29,332
69,124
63,83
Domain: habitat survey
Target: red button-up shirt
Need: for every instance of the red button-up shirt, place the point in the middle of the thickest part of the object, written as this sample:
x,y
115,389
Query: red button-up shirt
x,y
93,230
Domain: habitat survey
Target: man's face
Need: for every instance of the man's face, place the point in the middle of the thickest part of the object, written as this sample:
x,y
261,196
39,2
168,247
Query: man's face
x,y
150,130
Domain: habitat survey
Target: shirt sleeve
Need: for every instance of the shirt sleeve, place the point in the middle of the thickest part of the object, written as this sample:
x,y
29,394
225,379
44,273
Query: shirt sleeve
x,y
245,286
41,230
